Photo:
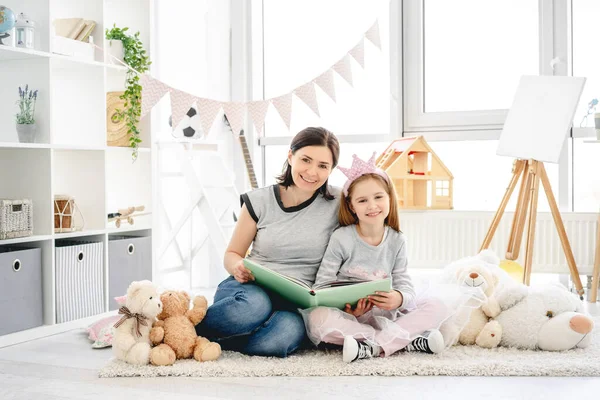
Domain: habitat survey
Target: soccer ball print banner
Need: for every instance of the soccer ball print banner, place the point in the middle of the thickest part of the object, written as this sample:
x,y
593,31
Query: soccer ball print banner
x,y
153,90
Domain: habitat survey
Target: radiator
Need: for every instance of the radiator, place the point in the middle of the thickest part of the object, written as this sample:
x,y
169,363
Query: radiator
x,y
435,238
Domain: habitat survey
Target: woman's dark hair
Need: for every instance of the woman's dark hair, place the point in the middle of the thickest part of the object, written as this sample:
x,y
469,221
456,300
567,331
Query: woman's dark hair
x,y
311,136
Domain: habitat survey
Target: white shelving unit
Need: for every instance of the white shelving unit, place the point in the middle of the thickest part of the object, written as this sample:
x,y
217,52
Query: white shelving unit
x,y
70,155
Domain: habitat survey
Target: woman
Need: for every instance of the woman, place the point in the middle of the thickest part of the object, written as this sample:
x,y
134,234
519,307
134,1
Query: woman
x,y
288,225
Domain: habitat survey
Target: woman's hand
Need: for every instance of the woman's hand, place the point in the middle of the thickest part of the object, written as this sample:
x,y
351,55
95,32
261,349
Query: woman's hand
x,y
363,306
241,273
387,300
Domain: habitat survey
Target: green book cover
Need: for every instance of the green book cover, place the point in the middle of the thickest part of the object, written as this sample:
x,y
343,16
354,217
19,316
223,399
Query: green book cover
x,y
332,294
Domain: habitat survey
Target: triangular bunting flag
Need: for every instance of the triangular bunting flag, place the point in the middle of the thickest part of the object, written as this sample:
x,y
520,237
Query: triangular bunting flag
x,y
258,112
308,95
344,68
180,104
207,110
235,115
283,105
358,52
152,91
325,82
373,34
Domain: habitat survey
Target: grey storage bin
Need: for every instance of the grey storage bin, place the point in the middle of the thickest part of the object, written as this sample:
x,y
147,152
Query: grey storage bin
x,y
79,280
129,259
21,305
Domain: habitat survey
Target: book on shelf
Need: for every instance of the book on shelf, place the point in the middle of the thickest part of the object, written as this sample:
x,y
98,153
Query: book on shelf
x,y
329,294
74,28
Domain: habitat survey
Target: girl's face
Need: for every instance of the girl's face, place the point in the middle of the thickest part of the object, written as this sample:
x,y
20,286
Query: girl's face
x,y
370,202
311,166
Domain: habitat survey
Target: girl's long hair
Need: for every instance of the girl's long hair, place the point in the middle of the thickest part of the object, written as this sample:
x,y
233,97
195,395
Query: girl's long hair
x,y
347,217
311,136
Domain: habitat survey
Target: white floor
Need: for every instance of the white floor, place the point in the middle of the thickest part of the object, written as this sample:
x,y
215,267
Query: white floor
x,y
64,366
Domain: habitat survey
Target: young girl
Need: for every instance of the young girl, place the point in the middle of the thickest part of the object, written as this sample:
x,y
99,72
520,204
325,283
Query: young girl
x,y
369,244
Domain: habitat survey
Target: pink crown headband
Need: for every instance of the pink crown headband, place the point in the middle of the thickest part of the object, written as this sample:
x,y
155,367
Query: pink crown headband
x,y
360,168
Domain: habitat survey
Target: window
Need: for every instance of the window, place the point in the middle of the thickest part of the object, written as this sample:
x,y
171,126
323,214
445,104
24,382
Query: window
x,y
442,188
586,57
302,39
462,63
476,51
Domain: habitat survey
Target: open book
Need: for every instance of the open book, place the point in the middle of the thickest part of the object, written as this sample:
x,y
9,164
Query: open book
x,y
330,294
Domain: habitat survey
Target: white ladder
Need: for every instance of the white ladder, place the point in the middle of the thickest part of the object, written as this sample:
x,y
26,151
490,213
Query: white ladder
x,y
195,230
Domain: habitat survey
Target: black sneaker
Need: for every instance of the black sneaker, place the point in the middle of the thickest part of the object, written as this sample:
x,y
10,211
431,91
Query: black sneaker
x,y
430,342
355,350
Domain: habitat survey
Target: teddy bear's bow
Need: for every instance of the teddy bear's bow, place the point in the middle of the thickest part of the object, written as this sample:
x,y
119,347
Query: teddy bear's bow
x,y
139,319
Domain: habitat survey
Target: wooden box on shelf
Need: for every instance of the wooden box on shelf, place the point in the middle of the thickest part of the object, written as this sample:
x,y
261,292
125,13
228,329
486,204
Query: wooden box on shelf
x,y
116,129
16,218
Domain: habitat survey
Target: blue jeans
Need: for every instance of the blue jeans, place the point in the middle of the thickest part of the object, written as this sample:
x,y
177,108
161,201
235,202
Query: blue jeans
x,y
248,319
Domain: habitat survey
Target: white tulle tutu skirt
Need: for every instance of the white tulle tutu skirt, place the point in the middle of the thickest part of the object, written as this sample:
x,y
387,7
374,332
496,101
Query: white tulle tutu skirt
x,y
437,305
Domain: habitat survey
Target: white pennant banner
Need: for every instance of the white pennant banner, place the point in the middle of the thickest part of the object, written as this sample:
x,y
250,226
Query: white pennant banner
x,y
152,91
235,112
373,34
283,105
344,68
325,82
180,104
258,112
207,110
358,52
308,95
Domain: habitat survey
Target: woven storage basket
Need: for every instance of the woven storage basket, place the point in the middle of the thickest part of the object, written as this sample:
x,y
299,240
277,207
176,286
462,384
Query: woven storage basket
x,y
16,218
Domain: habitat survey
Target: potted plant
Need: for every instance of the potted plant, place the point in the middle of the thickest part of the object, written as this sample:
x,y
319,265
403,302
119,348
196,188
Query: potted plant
x,y
136,58
26,116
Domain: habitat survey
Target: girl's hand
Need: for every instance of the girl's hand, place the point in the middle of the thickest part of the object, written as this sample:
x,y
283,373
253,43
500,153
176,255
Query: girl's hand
x,y
363,306
241,273
387,300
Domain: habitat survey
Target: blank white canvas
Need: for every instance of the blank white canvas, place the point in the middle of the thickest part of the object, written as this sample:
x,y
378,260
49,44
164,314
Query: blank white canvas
x,y
540,117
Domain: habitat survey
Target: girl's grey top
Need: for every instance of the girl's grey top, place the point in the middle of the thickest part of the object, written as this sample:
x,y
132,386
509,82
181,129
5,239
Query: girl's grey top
x,y
350,257
291,240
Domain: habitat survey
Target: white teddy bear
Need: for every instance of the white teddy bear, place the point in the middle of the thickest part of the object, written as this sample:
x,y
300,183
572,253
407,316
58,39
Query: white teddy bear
x,y
480,272
132,335
546,317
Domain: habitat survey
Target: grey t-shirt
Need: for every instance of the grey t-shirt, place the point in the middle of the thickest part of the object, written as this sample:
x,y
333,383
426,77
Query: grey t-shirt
x,y
291,240
350,257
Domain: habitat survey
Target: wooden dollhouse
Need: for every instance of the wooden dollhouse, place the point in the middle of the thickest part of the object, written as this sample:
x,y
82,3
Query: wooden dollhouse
x,y
421,180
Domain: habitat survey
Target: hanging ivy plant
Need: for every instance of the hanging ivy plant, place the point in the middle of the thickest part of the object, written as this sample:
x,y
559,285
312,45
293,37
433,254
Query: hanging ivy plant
x,y
136,57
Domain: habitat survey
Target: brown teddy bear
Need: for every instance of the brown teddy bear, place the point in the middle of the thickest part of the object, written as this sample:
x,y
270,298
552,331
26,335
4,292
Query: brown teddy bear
x,y
174,334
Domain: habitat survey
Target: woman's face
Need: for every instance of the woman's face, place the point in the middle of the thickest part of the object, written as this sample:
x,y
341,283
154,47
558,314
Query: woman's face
x,y
311,166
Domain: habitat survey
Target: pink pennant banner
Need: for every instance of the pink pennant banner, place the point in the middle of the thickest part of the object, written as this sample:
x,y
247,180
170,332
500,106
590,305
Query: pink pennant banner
x,y
152,91
373,34
180,104
325,82
344,68
283,105
308,95
207,110
258,112
358,52
235,115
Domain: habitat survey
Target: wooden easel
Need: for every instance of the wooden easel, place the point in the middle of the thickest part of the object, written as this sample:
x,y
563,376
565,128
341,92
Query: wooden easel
x,y
531,172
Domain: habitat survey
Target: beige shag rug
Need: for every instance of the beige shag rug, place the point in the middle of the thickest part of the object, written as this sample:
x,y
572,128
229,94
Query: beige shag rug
x,y
457,361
